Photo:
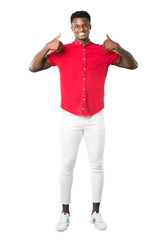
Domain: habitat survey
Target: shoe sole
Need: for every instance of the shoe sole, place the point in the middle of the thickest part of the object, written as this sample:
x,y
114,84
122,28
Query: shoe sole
x,y
59,230
98,228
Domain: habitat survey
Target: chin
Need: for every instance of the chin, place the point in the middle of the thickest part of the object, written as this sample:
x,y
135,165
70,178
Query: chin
x,y
82,38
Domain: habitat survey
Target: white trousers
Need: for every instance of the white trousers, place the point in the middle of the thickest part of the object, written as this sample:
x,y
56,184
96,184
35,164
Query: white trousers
x,y
92,128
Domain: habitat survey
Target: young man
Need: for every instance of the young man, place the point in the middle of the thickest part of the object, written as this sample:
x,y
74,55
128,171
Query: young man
x,y
83,67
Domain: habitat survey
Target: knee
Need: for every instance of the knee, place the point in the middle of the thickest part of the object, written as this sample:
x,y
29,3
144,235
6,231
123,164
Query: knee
x,y
97,165
67,165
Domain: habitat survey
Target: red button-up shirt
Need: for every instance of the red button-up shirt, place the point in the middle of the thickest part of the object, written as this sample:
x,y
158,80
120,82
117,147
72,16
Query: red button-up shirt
x,y
82,76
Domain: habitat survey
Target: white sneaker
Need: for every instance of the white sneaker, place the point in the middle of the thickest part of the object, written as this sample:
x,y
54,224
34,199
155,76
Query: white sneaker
x,y
97,220
63,222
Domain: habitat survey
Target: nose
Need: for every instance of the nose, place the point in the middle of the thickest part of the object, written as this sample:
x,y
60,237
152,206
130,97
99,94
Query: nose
x,y
81,28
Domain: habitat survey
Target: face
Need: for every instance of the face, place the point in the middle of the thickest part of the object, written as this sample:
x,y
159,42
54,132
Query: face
x,y
81,28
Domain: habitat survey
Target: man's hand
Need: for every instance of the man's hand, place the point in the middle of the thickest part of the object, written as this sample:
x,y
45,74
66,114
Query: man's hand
x,y
109,44
55,44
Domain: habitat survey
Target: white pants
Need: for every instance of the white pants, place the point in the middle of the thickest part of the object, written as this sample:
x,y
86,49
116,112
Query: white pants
x,y
73,127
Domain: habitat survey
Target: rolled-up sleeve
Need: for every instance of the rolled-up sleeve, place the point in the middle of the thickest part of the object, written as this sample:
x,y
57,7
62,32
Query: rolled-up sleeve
x,y
111,57
53,58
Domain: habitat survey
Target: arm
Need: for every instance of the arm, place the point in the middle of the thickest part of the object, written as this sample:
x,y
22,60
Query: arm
x,y
40,61
125,59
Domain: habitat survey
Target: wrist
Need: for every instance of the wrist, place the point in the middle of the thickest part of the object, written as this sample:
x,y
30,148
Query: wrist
x,y
117,47
47,48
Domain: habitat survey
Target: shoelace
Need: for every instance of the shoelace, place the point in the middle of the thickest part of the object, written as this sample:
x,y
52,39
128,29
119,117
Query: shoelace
x,y
63,218
98,218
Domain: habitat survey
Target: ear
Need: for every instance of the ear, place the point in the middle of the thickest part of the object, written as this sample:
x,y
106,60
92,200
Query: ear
x,y
90,27
72,29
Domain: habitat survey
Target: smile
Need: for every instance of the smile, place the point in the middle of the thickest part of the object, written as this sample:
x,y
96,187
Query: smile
x,y
81,34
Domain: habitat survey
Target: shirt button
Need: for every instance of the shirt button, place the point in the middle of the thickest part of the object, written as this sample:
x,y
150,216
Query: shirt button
x,y
83,98
84,68
82,108
83,88
84,58
84,78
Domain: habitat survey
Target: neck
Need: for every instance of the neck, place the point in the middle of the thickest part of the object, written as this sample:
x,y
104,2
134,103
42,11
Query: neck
x,y
83,41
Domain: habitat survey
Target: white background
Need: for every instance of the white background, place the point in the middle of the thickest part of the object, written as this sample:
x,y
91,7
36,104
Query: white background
x,y
30,122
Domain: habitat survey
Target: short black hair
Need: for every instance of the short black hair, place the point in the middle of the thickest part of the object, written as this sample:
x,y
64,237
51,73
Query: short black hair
x,y
80,14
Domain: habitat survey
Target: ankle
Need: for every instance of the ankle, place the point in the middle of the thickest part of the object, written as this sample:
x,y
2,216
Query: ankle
x,y
96,207
65,208
95,211
65,212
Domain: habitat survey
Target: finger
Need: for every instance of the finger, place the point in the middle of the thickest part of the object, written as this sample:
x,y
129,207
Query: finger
x,y
59,35
107,36
60,46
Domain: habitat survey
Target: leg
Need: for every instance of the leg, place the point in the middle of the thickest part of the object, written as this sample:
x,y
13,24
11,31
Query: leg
x,y
94,135
70,140
65,208
95,207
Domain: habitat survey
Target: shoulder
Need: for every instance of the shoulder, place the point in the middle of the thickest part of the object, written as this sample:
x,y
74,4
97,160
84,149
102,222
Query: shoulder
x,y
67,45
65,49
97,46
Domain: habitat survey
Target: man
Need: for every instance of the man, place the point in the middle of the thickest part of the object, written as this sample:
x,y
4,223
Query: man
x,y
83,67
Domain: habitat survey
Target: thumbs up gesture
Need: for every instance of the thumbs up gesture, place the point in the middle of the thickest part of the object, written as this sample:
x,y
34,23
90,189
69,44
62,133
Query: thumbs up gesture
x,y
55,44
109,44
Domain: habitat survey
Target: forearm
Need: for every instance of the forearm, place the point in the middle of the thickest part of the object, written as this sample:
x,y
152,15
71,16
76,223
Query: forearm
x,y
38,60
127,60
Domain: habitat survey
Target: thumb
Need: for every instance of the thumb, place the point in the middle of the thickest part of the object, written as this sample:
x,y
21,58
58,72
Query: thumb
x,y
107,36
59,35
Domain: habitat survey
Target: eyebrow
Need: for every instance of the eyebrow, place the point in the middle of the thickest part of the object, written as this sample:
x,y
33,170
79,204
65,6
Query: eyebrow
x,y
82,24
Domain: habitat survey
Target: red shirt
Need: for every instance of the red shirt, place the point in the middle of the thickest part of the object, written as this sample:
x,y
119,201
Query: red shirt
x,y
82,76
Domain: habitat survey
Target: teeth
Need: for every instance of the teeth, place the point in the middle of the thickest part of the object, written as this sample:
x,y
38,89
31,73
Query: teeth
x,y
81,33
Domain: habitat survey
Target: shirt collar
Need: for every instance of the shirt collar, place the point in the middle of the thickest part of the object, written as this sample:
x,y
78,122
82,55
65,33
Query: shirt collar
x,y
77,43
